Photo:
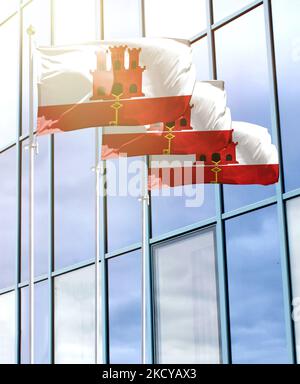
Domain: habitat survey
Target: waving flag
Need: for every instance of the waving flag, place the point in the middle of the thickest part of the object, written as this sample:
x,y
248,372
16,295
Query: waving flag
x,y
227,152
114,83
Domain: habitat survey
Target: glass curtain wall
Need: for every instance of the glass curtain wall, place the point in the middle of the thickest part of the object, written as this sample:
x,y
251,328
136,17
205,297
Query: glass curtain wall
x,y
234,259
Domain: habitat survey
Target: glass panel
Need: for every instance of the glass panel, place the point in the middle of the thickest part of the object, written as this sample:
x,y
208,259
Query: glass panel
x,y
75,317
175,18
37,14
9,80
8,225
293,213
41,325
75,21
170,212
255,289
287,42
225,8
201,59
7,328
125,308
41,206
173,211
124,219
74,197
186,302
245,71
8,7
121,19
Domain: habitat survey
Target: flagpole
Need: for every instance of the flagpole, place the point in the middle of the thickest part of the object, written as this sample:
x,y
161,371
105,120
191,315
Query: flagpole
x,y
145,204
32,149
97,255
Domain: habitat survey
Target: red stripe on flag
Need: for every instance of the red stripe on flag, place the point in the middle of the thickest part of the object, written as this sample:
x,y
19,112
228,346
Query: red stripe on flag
x,y
176,142
261,174
132,112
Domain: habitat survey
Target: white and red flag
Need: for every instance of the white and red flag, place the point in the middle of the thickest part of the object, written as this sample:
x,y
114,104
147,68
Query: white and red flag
x,y
144,93
114,83
220,151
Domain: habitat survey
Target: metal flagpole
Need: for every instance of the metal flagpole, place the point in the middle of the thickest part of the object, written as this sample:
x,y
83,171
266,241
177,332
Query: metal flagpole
x,y
145,203
97,255
32,149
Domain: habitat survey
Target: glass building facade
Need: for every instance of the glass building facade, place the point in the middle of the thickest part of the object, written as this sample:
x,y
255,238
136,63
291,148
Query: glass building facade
x,y
224,277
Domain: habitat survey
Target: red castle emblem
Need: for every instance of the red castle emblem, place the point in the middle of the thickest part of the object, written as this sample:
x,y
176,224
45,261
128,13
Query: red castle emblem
x,y
118,82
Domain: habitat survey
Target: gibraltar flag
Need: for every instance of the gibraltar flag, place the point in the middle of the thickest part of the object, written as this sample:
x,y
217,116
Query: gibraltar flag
x,y
226,152
114,83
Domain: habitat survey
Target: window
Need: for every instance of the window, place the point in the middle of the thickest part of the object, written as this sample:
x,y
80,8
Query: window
x,y
124,217
76,26
183,122
244,69
202,158
7,328
229,158
122,19
75,317
125,308
41,318
200,58
287,45
117,89
225,8
293,213
8,225
9,80
216,157
74,197
133,88
186,19
255,289
170,124
186,300
7,8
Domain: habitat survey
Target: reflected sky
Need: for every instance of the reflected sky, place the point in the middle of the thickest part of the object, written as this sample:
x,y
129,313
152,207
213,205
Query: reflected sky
x,y
74,197
255,289
225,8
7,8
287,44
243,67
7,328
187,18
76,26
200,59
41,318
187,329
170,213
293,213
254,272
75,317
125,308
9,80
8,215
124,213
122,18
